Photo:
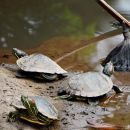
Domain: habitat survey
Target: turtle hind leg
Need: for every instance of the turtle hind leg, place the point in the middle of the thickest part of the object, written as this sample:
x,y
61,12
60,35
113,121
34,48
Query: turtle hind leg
x,y
64,97
22,74
49,77
61,76
117,89
93,101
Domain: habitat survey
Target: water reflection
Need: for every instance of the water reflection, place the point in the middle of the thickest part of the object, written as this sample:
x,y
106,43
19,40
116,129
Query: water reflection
x,y
26,24
105,46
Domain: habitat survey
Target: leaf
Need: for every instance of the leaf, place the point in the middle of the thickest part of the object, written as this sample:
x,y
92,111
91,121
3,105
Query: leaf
x,y
104,126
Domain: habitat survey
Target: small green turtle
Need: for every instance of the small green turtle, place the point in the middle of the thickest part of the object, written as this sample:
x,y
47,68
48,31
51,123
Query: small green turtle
x,y
38,65
34,109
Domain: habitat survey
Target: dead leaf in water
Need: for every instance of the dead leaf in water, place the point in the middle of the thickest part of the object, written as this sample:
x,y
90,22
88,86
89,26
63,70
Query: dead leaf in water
x,y
103,126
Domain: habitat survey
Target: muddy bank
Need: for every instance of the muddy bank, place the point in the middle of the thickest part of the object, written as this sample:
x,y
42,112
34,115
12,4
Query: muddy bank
x,y
72,115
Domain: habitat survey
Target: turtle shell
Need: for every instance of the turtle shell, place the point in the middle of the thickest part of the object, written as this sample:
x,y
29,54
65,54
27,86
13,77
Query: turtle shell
x,y
90,84
39,63
44,106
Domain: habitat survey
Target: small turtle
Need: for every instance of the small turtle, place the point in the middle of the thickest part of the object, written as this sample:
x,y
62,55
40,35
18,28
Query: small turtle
x,y
38,65
89,84
34,109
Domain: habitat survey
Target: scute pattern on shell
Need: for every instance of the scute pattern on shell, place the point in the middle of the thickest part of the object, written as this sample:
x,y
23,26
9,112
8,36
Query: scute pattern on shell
x,y
45,107
90,84
39,63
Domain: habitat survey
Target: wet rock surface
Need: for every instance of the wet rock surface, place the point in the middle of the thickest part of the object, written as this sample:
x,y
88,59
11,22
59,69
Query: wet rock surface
x,y
73,115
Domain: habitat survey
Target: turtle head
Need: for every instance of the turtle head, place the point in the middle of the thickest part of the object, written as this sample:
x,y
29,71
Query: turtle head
x,y
108,69
19,53
30,105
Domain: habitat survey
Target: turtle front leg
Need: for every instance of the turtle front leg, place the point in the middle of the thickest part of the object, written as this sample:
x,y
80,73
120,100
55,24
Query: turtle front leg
x,y
117,89
12,117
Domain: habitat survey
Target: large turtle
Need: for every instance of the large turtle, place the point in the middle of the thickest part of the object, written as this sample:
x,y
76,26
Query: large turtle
x,y
34,109
89,84
38,65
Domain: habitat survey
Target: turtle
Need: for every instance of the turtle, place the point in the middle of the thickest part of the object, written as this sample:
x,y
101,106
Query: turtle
x,y
37,65
34,109
89,85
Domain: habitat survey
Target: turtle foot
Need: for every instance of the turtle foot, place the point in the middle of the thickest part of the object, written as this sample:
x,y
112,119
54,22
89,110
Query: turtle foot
x,y
117,89
12,117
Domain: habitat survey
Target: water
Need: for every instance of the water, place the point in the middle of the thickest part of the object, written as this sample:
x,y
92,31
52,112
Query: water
x,y
28,23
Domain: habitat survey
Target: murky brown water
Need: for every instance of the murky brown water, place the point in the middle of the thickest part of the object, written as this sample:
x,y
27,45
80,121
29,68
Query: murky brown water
x,y
27,24
57,28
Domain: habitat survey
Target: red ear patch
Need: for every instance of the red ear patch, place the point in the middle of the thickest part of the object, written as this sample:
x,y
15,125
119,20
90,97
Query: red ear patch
x,y
33,101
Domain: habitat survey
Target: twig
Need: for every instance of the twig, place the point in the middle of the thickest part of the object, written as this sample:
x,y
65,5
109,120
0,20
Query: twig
x,y
113,12
84,44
